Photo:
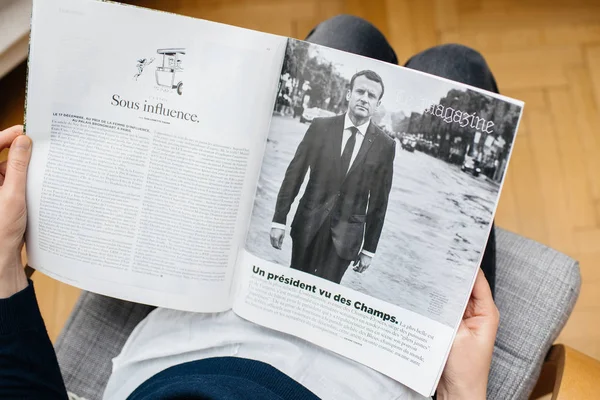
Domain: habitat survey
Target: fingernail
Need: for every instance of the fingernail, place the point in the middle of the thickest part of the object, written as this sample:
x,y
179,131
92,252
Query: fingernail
x,y
23,142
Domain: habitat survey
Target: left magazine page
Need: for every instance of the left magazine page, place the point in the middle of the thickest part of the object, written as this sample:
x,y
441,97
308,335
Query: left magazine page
x,y
149,130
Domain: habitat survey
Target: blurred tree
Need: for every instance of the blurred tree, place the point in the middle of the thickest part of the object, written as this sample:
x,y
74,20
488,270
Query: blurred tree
x,y
399,122
504,116
328,87
379,114
296,57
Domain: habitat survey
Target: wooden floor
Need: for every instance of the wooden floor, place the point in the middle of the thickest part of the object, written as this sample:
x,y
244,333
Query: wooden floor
x,y
545,52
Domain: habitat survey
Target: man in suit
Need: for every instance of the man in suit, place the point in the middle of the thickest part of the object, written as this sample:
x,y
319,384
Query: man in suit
x,y
341,214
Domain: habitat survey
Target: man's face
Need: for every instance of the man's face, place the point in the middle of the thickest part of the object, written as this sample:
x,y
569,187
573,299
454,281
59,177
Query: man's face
x,y
363,98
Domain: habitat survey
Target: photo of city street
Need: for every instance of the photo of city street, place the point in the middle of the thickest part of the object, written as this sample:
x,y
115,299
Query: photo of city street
x,y
437,220
452,145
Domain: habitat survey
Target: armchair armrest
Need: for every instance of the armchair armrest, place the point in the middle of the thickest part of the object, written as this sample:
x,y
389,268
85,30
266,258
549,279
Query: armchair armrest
x,y
569,375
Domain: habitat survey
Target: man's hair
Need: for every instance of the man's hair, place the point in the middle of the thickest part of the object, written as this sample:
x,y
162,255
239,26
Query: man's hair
x,y
370,75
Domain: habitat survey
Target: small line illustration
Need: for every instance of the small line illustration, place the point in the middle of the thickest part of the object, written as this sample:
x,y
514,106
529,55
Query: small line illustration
x,y
141,64
167,74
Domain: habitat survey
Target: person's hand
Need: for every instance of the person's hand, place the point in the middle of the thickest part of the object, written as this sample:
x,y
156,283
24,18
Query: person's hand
x,y
362,263
466,373
277,236
13,209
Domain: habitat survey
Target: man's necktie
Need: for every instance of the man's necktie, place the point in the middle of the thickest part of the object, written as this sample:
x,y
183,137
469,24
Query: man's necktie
x,y
348,149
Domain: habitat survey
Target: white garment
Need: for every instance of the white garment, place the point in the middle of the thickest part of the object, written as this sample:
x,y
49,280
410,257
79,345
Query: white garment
x,y
167,337
360,136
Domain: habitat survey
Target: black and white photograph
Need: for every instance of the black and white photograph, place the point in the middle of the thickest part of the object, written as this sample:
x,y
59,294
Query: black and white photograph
x,y
380,179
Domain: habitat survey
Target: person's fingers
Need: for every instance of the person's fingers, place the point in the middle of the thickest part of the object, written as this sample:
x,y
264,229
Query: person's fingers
x,y
3,168
280,242
360,267
274,241
481,289
481,314
19,154
7,136
482,295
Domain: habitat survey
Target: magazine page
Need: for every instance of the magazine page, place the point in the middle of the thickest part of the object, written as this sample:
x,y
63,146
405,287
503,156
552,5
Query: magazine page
x,y
375,200
148,133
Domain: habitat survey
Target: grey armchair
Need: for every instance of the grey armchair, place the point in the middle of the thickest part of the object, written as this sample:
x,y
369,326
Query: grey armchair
x,y
536,290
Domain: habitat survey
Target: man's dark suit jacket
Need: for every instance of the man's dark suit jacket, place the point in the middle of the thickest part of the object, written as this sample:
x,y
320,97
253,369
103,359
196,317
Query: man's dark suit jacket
x,y
357,201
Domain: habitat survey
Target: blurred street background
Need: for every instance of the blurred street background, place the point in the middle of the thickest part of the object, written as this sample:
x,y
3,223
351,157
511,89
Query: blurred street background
x,y
314,83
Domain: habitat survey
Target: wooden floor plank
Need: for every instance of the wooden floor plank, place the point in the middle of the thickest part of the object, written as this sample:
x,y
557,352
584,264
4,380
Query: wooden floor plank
x,y
526,191
446,14
592,55
493,40
523,14
329,8
323,10
66,297
587,122
589,298
507,215
510,76
539,67
546,159
522,38
425,35
535,99
581,207
572,34
301,27
590,267
588,241
401,32
581,332
47,291
373,11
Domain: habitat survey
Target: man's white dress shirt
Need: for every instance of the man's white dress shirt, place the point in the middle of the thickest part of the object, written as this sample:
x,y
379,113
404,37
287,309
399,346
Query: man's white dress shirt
x,y
168,337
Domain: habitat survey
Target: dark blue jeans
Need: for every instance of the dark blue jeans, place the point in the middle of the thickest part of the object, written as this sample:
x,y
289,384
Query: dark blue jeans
x,y
451,61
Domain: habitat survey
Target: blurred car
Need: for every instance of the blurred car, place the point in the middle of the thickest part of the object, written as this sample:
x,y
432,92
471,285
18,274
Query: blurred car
x,y
471,166
315,112
408,144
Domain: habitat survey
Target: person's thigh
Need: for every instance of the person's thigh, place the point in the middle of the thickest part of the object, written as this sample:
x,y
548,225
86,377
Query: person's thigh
x,y
354,35
455,62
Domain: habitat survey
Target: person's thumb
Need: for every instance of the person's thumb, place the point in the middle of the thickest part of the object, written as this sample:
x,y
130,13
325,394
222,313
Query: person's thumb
x,y
19,154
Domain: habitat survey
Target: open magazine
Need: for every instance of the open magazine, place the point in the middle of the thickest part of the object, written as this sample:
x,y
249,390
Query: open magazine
x,y
198,166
